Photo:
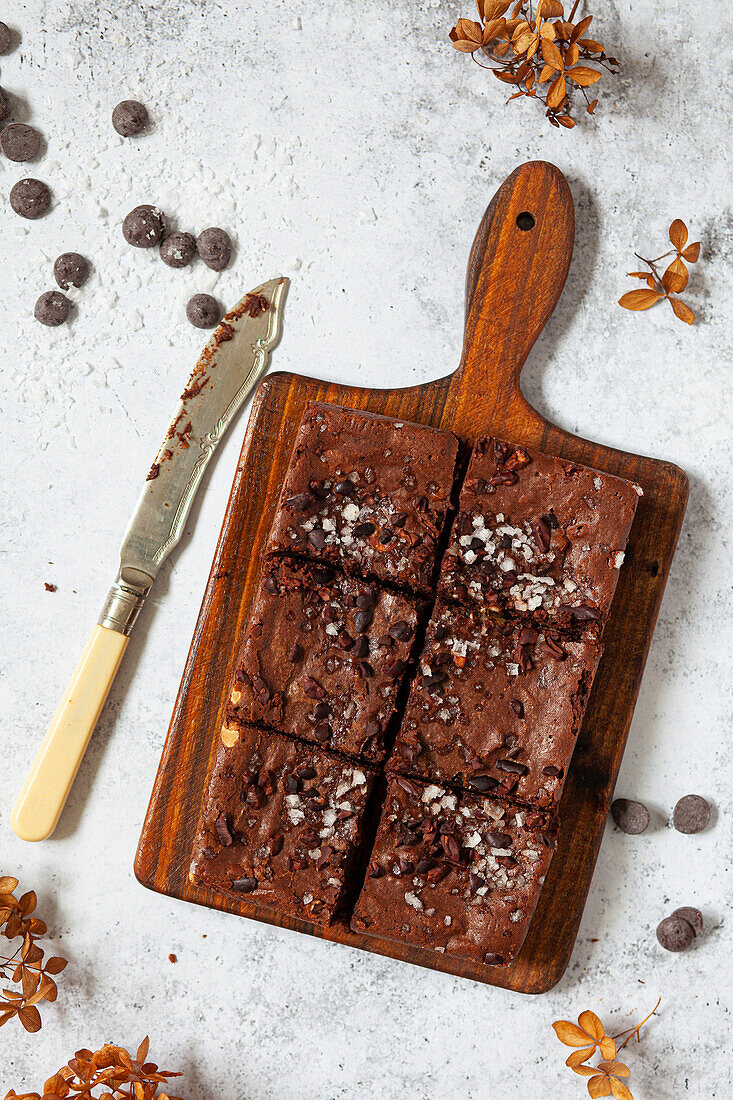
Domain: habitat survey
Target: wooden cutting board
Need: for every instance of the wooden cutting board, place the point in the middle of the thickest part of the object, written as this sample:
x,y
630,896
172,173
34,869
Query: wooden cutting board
x,y
516,271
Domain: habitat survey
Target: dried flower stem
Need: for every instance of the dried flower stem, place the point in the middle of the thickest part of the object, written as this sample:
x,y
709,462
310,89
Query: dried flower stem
x,y
634,1031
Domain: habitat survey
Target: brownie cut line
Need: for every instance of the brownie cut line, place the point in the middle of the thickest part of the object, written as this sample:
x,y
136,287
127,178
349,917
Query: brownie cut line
x,y
281,824
538,537
454,873
324,657
368,492
495,706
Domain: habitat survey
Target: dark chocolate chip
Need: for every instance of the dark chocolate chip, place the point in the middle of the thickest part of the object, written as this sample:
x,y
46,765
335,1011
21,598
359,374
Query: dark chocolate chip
x,y
320,711
395,668
306,772
344,640
691,814
30,198
222,830
498,840
20,142
361,647
270,585
550,648
292,784
322,731
178,250
130,118
675,933
363,620
71,269
692,916
244,885
517,707
631,817
492,959
512,766
52,308
400,631
552,771
541,532
299,502
585,614
483,783
343,488
312,688
203,311
317,538
144,226
362,530
5,104
215,248
367,600
527,636
295,653
440,632
275,844
5,38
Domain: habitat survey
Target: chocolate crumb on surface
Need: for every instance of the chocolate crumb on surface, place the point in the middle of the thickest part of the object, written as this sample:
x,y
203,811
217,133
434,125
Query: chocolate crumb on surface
x,y
538,537
20,142
454,872
172,958
203,311
368,492
214,247
495,706
30,198
144,226
324,657
49,587
130,118
52,308
281,824
71,269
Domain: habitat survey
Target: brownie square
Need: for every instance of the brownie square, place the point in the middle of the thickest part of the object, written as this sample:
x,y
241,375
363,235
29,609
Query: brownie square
x,y
455,873
495,706
538,537
281,824
324,657
368,492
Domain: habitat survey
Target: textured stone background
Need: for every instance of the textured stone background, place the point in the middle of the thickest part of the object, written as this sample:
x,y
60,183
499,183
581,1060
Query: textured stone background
x,y
347,146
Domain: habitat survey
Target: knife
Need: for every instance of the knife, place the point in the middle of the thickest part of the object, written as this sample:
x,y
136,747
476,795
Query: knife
x,y
229,368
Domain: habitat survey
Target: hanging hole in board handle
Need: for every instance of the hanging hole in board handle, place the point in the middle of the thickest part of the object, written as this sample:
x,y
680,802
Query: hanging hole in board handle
x,y
525,221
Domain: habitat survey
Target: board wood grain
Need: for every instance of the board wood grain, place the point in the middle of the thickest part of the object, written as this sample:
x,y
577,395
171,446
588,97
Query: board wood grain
x,y
516,271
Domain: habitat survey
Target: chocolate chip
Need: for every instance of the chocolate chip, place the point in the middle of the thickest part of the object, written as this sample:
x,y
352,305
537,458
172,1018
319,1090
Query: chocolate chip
x,y
5,104
517,707
675,933
30,198
203,311
631,817
366,601
317,538
541,532
692,916
52,308
363,620
498,840
275,844
691,814
20,142
527,636
222,830
306,772
215,248
440,632
5,38
400,631
585,614
295,653
270,585
361,647
299,502
292,784
244,885
178,250
552,771
395,668
320,711
450,847
512,766
343,488
312,688
362,530
144,226
322,731
255,796
550,648
130,118
71,269
483,783
492,959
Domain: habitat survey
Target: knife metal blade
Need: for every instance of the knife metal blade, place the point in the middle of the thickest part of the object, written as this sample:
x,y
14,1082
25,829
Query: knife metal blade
x,y
228,369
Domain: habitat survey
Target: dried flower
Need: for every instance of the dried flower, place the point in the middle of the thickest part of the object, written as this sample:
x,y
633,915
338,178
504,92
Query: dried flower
x,y
537,51
672,281
25,968
588,1035
111,1069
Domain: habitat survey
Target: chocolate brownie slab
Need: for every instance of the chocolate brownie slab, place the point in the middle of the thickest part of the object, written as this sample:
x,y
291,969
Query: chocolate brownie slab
x,y
454,873
324,657
368,492
538,537
495,706
281,824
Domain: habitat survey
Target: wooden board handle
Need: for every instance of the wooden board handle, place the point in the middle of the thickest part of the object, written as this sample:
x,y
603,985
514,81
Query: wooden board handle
x,y
516,271
49,781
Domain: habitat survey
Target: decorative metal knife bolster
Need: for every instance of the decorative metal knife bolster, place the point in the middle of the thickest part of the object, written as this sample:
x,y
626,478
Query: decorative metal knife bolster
x,y
229,368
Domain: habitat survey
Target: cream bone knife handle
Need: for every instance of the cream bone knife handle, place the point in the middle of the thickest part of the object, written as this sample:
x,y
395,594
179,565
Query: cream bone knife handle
x,y
52,773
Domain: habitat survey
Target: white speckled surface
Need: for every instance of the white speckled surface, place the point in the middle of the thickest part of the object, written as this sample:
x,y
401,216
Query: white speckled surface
x,y
347,146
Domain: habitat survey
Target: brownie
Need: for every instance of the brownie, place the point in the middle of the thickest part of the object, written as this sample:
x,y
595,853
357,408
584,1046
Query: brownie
x,y
368,492
538,536
455,873
324,657
495,706
281,824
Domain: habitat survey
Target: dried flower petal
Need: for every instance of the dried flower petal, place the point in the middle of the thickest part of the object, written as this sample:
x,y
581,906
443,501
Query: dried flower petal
x,y
682,310
639,299
599,1086
692,253
556,94
678,234
675,277
583,75
570,1034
